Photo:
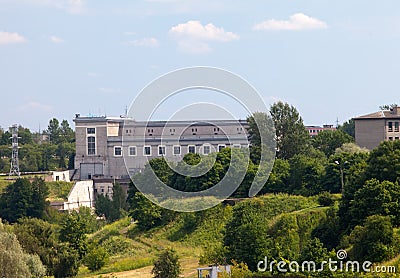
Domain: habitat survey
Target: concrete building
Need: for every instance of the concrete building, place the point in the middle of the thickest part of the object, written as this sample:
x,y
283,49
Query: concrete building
x,y
112,147
372,129
314,130
81,195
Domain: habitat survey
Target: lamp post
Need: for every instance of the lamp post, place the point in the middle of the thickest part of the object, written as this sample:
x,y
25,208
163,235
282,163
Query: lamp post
x,y
341,173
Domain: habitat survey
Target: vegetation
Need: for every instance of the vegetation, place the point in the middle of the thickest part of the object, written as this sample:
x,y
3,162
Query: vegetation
x,y
167,265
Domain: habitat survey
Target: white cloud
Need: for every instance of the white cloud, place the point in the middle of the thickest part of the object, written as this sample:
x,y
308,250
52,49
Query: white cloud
x,y
296,22
194,37
9,38
146,42
55,39
34,105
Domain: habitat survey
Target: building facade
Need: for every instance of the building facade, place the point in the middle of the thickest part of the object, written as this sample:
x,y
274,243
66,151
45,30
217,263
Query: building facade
x,y
372,129
314,130
116,148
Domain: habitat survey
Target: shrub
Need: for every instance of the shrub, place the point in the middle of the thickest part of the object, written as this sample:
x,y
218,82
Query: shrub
x,y
96,258
167,265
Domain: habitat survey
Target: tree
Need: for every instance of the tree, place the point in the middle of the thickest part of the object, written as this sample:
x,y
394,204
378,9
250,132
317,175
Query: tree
x,y
376,197
112,209
66,133
54,131
167,265
73,230
279,177
13,262
96,258
328,141
291,136
348,127
384,162
23,198
375,240
146,213
67,264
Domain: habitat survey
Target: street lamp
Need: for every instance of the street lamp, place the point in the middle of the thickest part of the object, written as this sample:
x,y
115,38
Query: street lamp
x,y
341,173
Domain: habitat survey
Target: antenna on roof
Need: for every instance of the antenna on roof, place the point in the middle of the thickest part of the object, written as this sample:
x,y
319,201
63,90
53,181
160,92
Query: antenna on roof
x,y
337,122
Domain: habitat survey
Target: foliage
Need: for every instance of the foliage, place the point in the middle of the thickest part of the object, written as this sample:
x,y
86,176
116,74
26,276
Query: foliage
x,y
37,269
13,262
291,136
73,230
325,199
167,265
384,162
59,189
279,177
96,258
328,141
375,240
146,213
314,250
67,263
348,127
111,209
24,199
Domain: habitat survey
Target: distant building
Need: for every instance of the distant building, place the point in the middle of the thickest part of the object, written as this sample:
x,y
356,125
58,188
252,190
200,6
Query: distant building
x,y
110,147
372,129
314,130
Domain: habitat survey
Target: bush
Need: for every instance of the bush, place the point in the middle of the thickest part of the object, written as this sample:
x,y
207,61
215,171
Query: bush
x,y
325,199
96,258
167,265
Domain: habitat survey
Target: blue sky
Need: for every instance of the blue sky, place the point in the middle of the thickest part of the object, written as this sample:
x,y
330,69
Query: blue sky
x,y
330,59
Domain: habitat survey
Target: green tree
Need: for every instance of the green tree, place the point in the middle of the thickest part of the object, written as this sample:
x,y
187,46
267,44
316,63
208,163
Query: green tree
x,y
167,265
375,240
376,197
328,141
23,198
54,131
73,230
291,136
67,264
279,177
348,127
146,213
384,162
13,261
113,209
96,258
66,133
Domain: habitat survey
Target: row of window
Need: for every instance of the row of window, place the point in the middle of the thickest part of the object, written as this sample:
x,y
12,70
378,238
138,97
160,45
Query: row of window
x,y
393,124
176,149
395,138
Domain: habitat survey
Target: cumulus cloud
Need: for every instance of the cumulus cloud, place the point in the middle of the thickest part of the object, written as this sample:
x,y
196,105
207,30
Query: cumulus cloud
x,y
296,22
146,42
55,39
194,37
9,38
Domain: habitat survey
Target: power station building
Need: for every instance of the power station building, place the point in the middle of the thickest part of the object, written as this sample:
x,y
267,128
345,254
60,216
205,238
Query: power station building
x,y
116,147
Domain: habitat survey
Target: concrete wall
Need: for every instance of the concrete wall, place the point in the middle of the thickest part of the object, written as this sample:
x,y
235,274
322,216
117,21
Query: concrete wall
x,y
369,132
81,195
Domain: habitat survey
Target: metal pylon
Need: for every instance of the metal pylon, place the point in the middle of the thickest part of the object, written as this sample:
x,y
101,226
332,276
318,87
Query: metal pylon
x,y
14,169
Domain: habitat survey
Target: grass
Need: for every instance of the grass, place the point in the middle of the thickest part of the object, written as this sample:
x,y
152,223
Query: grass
x,y
59,190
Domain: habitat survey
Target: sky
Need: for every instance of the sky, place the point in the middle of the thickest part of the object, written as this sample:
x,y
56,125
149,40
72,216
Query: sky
x,y
332,60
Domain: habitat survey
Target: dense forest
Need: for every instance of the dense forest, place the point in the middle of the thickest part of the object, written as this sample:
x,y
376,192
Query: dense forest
x,y
324,195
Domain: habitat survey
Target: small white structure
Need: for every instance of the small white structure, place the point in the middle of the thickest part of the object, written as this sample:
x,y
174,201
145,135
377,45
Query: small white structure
x,y
212,271
61,175
81,195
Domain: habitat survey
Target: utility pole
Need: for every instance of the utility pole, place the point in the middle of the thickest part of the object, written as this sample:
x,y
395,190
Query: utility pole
x,y
14,169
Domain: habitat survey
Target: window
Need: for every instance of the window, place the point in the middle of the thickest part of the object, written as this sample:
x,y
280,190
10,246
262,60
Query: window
x,y
206,149
390,126
390,138
117,151
147,151
161,150
396,138
221,146
177,150
91,130
91,145
396,126
191,149
236,146
132,151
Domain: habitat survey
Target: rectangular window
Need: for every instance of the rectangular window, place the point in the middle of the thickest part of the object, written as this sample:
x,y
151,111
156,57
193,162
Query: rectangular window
x,y
147,151
177,150
396,138
221,147
91,130
396,126
390,126
390,138
117,151
161,150
91,145
191,149
206,149
132,151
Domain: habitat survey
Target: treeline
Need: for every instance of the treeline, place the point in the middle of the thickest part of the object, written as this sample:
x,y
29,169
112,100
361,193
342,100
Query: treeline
x,y
53,149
